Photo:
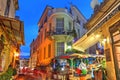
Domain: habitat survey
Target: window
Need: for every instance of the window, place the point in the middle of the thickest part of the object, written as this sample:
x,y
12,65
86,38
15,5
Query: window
x,y
41,37
70,26
49,12
50,26
59,24
45,34
49,50
79,33
44,53
7,8
77,19
116,36
60,48
41,54
45,20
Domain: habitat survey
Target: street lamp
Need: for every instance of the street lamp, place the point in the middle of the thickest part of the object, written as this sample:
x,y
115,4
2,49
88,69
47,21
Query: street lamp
x,y
16,54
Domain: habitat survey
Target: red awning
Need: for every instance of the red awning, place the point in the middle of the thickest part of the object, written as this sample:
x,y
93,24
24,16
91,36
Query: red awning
x,y
64,57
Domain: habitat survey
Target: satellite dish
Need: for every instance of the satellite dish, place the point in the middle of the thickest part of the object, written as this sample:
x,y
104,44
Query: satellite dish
x,y
94,3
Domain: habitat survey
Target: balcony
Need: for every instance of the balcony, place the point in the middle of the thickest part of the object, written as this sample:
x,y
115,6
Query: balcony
x,y
59,10
61,36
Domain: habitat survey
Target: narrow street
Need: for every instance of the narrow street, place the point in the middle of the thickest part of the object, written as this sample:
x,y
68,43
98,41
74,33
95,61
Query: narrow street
x,y
59,40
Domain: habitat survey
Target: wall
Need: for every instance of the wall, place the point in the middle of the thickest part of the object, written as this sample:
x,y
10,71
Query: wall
x,y
105,29
3,4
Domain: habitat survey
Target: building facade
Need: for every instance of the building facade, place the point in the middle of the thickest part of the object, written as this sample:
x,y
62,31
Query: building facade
x,y
58,29
24,63
104,27
33,53
11,34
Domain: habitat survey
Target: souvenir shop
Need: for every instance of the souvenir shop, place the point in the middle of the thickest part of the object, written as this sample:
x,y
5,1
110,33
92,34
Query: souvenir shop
x,y
78,66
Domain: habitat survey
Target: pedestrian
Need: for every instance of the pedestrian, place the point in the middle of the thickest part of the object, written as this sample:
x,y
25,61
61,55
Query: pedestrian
x,y
92,74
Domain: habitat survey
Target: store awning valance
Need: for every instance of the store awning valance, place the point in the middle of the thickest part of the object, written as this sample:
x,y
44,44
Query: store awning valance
x,y
87,41
13,27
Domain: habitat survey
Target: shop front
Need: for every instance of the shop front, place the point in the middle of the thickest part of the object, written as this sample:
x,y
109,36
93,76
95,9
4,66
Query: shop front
x,y
115,36
11,38
104,27
77,66
110,39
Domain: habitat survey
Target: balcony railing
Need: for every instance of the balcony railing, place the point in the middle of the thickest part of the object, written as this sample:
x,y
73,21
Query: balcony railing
x,y
70,32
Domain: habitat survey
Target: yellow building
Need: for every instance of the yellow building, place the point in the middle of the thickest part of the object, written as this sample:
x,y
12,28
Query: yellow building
x,y
104,27
33,53
11,34
58,29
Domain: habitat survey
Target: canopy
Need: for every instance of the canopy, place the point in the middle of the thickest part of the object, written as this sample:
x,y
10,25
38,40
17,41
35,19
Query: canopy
x,y
73,55
88,40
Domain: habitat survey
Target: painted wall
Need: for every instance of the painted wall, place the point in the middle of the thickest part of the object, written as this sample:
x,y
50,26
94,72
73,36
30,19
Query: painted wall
x,y
44,26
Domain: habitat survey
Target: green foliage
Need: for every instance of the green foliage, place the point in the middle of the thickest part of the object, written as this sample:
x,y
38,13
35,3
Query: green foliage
x,y
8,74
14,72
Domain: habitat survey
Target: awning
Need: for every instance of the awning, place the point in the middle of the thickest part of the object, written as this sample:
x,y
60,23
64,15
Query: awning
x,y
65,56
83,55
73,55
13,27
87,41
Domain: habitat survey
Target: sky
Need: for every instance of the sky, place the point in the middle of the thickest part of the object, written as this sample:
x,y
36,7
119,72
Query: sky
x,y
30,12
